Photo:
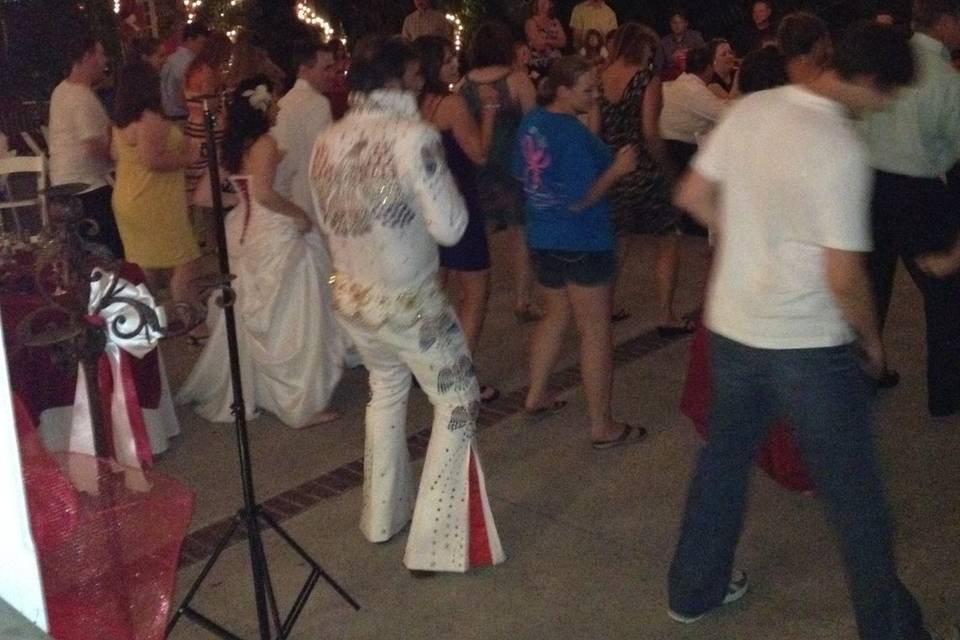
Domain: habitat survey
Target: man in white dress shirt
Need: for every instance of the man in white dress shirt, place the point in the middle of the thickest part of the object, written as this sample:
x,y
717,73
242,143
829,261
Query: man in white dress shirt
x,y
304,115
690,109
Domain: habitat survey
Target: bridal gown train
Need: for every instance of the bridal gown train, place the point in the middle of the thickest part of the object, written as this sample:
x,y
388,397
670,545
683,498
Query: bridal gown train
x,y
291,345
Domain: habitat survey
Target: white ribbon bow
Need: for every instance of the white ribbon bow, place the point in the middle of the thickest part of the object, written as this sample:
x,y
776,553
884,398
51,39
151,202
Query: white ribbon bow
x,y
123,316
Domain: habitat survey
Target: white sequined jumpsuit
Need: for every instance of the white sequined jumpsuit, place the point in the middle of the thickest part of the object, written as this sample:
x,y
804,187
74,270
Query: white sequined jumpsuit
x,y
385,199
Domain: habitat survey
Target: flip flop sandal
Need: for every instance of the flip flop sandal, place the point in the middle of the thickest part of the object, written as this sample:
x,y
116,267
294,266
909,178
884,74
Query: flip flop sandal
x,y
527,314
630,435
488,393
665,331
547,409
197,342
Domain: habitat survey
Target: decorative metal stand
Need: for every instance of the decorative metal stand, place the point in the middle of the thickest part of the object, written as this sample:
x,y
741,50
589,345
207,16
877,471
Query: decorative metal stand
x,y
251,514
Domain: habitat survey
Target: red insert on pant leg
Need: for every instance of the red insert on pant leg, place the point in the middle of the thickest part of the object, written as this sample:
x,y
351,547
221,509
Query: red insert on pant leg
x,y
480,555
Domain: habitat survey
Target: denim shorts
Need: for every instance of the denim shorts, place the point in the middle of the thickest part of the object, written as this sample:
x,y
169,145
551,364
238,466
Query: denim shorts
x,y
555,269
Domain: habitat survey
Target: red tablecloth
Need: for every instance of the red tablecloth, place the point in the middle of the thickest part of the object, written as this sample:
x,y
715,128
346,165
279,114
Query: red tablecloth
x,y
779,456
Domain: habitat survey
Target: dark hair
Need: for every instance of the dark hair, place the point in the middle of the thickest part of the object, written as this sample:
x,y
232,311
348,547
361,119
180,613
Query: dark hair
x,y
245,124
377,60
754,3
304,53
593,33
194,30
78,46
762,69
337,48
713,45
926,13
551,13
142,48
563,73
138,90
433,53
799,33
698,60
635,42
491,45
677,10
215,53
876,51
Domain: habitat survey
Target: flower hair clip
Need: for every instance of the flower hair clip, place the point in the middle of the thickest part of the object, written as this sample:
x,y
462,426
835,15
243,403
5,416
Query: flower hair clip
x,y
259,98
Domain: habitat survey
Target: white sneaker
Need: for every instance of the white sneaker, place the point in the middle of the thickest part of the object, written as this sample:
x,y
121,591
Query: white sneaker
x,y
735,590
953,633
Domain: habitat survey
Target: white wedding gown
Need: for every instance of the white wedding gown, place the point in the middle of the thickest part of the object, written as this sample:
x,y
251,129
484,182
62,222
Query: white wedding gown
x,y
291,345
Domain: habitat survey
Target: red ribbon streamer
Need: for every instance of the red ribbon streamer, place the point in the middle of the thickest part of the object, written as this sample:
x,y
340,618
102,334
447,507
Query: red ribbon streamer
x,y
131,401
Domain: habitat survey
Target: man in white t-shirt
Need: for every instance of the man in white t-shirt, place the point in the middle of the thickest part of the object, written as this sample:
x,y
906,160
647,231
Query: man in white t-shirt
x,y
784,182
80,137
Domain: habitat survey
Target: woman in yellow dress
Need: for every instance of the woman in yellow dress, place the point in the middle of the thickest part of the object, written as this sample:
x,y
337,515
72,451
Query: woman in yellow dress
x,y
149,198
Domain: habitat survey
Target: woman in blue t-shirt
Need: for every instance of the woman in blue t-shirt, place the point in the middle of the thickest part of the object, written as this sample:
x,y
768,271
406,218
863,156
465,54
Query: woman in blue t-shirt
x,y
566,172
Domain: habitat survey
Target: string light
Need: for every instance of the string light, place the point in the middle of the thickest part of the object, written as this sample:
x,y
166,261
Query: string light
x,y
457,25
305,14
116,6
309,17
192,7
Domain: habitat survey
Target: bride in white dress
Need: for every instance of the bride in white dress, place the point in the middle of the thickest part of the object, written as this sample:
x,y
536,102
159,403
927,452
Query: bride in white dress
x,y
291,347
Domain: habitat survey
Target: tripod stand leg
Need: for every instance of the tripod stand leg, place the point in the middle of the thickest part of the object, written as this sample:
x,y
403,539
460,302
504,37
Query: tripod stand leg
x,y
221,545
300,551
258,566
272,598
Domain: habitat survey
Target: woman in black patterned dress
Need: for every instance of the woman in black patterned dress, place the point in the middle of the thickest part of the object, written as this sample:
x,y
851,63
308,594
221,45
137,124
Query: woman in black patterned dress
x,y
629,112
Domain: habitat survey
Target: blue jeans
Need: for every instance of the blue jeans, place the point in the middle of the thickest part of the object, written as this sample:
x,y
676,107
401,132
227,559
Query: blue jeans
x,y
828,401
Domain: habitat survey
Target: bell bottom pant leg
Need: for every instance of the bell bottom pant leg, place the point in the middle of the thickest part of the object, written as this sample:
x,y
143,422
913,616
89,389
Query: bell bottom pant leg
x,y
388,489
453,527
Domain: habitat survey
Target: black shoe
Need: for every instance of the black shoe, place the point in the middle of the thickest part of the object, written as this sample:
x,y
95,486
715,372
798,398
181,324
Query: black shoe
x,y
944,409
887,380
420,574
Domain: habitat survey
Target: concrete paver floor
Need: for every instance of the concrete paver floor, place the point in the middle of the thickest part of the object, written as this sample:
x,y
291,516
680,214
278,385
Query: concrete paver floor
x,y
588,535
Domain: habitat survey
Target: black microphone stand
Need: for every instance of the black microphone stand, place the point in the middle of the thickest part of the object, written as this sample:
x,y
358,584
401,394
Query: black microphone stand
x,y
251,514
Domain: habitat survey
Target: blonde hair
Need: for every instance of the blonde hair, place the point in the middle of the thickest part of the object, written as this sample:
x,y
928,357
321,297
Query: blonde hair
x,y
635,42
563,73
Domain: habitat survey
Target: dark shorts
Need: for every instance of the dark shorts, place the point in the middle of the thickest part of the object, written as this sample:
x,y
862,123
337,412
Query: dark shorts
x,y
555,269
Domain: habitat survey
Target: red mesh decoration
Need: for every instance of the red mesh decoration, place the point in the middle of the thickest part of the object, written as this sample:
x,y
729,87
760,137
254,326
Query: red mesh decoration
x,y
108,554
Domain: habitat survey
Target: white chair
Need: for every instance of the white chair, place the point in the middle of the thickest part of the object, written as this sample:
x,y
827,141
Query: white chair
x,y
24,164
32,143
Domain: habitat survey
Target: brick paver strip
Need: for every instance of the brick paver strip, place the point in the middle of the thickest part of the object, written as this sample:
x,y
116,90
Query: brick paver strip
x,y
200,544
